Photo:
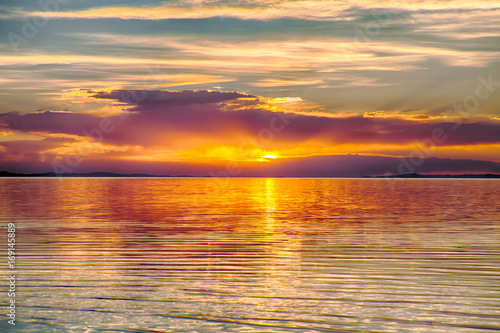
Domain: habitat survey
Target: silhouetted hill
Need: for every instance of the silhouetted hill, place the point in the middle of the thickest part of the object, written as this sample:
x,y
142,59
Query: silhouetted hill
x,y
90,174
416,175
144,175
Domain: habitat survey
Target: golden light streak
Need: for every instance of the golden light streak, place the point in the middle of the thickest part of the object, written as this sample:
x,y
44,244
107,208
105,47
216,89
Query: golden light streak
x,y
330,10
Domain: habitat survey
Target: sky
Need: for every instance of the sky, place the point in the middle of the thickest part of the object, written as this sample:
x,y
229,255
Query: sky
x,y
250,88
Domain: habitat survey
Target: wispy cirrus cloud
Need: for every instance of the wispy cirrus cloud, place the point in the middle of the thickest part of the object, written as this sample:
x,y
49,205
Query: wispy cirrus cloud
x,y
257,10
382,50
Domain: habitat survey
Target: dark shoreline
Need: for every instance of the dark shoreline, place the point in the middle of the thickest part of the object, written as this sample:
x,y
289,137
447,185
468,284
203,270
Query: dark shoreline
x,y
6,174
416,175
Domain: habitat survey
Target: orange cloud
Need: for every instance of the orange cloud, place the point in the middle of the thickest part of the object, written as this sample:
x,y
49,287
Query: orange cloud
x,y
213,125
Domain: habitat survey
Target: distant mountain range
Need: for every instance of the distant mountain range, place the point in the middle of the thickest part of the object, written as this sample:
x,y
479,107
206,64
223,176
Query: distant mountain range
x,y
321,166
144,175
90,174
416,175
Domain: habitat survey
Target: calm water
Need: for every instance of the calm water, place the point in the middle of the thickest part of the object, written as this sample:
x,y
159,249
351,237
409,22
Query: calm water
x,y
253,255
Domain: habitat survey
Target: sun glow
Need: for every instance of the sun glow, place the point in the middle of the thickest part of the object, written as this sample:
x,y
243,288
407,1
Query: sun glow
x,y
269,156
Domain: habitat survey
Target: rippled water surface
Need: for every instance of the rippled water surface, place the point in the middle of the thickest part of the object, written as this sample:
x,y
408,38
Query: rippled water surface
x,y
253,255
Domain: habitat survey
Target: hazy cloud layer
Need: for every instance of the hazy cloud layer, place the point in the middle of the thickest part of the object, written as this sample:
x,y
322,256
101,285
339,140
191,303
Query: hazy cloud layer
x,y
160,117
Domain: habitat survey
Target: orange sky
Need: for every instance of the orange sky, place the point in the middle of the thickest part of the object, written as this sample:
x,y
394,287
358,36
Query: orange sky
x,y
98,88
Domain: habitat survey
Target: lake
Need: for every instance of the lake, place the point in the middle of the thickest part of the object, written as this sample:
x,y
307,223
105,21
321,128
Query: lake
x,y
252,255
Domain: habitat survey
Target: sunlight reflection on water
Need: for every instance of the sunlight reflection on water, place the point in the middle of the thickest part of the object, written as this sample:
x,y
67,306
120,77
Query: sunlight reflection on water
x,y
257,255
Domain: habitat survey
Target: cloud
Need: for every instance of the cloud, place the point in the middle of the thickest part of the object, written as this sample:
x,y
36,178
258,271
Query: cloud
x,y
425,54
257,10
31,151
413,60
188,119
48,122
195,132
